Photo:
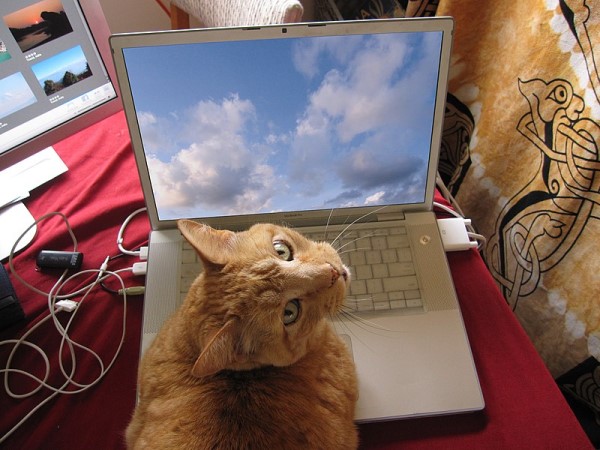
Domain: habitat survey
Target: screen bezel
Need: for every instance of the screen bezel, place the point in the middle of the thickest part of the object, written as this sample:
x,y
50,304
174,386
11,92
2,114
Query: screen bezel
x,y
119,42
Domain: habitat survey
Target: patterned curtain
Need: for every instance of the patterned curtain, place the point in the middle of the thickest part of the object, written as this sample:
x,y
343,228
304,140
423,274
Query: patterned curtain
x,y
521,155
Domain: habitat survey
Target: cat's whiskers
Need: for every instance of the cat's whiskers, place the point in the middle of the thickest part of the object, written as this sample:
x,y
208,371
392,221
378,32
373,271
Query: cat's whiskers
x,y
342,324
350,250
347,312
359,322
356,240
327,224
341,233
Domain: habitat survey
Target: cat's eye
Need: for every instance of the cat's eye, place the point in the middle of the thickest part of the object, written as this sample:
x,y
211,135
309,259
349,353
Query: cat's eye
x,y
291,312
283,250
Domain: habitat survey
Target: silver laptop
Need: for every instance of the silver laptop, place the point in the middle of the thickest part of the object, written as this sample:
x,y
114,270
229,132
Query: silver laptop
x,y
328,128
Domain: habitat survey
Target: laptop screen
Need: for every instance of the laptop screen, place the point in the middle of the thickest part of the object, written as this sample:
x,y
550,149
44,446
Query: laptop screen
x,y
289,124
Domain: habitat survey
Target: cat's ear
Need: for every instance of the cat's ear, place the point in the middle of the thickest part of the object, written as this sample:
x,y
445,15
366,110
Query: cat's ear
x,y
220,353
213,246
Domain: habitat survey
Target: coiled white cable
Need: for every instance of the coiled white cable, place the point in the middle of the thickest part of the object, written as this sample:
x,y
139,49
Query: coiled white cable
x,y
138,253
69,386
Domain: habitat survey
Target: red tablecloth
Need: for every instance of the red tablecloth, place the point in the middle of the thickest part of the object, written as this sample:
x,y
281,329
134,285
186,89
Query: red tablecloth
x,y
524,408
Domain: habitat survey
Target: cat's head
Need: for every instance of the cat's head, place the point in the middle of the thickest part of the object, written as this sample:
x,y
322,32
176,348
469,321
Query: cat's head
x,y
263,297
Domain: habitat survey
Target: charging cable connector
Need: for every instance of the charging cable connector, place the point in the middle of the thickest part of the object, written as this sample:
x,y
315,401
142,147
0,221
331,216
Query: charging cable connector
x,y
139,268
67,305
455,236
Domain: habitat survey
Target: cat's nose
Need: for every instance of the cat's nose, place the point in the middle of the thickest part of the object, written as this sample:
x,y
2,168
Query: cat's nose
x,y
335,274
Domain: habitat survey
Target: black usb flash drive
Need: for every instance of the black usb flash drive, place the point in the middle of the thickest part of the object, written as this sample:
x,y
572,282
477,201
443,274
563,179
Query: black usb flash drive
x,y
51,259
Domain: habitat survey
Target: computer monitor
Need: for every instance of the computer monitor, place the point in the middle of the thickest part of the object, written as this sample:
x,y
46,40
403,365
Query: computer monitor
x,y
56,73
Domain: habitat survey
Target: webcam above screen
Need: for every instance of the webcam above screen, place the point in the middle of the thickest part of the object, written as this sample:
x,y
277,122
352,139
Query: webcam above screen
x,y
56,73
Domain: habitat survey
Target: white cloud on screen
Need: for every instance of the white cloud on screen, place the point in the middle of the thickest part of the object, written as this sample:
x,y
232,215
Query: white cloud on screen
x,y
220,169
306,56
364,97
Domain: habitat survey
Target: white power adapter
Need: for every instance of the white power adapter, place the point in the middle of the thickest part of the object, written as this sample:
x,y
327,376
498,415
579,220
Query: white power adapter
x,y
454,234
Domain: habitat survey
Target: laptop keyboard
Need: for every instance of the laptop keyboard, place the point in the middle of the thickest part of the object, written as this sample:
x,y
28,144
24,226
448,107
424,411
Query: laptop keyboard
x,y
381,263
379,258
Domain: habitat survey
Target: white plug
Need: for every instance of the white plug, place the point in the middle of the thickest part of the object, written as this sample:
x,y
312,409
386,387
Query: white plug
x,y
139,268
454,234
67,305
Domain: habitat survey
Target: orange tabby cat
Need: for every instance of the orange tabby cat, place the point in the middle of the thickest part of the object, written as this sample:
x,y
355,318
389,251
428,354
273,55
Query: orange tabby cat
x,y
250,361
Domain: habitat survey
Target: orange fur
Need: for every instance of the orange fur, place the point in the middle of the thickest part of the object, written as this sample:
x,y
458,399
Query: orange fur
x,y
225,372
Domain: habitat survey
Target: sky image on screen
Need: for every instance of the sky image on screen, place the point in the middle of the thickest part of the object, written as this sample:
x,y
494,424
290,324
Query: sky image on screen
x,y
286,124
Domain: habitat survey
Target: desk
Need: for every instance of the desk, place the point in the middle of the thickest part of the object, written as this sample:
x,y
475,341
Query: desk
x,y
524,408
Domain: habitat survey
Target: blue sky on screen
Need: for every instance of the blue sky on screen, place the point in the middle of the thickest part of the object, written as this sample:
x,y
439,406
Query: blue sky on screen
x,y
286,124
15,94
54,68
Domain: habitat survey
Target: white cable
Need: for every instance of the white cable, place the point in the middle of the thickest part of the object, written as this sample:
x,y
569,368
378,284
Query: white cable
x,y
122,230
70,385
456,211
480,238
447,195
65,338
12,250
448,210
